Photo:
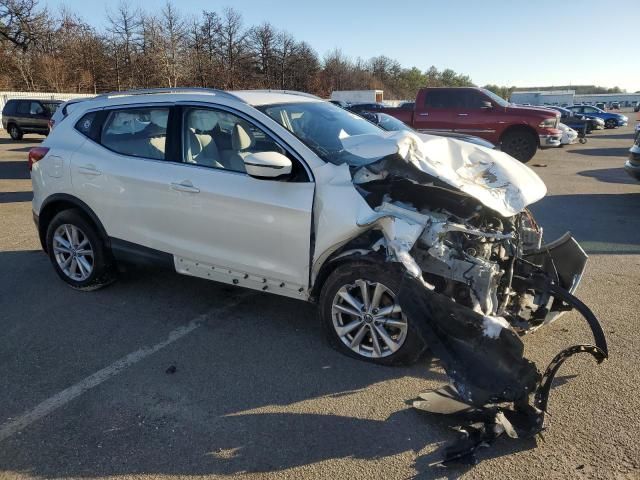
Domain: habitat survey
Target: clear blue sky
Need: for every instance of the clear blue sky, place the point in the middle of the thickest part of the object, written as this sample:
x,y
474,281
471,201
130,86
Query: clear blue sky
x,y
509,42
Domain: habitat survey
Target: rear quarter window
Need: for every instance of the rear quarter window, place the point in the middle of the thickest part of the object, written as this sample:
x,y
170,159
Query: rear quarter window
x,y
9,108
88,126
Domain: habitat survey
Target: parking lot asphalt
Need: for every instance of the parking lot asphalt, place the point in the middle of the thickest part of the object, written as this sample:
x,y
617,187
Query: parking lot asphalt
x,y
162,376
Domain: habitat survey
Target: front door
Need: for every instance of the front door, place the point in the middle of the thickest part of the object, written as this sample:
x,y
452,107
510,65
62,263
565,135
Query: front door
x,y
260,227
472,117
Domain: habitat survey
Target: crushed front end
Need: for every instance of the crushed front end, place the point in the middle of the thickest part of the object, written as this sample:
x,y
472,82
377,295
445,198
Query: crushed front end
x,y
478,277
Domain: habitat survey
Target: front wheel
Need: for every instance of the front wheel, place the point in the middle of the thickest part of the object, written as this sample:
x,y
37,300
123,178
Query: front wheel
x,y
521,145
611,123
362,318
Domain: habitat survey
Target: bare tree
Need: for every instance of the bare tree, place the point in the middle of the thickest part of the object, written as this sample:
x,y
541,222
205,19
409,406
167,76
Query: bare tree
x,y
172,43
124,27
21,22
234,46
262,41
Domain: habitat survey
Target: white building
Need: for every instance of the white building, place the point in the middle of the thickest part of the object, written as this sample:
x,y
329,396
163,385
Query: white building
x,y
569,97
358,96
539,97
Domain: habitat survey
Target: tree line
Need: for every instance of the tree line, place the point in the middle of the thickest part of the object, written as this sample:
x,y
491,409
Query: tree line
x,y
43,51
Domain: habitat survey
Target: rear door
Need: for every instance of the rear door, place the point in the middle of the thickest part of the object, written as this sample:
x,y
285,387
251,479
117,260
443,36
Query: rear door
x,y
23,115
436,112
124,172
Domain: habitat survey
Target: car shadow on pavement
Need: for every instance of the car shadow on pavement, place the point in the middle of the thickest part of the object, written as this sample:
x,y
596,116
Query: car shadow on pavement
x,y
602,152
14,170
610,175
9,141
256,389
601,223
615,136
12,197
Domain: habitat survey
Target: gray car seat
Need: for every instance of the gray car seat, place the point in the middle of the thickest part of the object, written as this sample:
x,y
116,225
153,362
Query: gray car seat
x,y
242,141
200,146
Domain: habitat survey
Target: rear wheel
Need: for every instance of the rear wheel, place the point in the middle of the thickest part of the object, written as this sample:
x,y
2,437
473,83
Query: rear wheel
x,y
77,252
362,318
520,144
15,132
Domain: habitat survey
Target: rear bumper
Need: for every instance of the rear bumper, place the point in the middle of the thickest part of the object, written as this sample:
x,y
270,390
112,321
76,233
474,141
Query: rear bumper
x,y
550,141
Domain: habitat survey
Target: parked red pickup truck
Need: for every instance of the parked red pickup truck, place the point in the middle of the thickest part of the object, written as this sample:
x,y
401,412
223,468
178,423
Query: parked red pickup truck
x,y
519,131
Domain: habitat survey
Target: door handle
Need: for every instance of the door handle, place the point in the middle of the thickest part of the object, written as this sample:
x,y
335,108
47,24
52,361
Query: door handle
x,y
463,114
424,114
185,186
89,170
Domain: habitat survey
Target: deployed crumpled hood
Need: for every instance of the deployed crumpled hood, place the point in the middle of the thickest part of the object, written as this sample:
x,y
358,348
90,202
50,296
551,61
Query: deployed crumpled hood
x,y
494,178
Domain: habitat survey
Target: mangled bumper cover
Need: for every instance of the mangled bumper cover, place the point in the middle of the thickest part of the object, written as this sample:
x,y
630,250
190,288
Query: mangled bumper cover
x,y
494,387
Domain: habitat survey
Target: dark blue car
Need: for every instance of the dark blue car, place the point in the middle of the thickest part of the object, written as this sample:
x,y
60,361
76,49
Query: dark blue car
x,y
611,120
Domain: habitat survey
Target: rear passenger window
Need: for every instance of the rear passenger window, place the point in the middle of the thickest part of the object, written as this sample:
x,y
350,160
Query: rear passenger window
x,y
139,132
23,108
439,99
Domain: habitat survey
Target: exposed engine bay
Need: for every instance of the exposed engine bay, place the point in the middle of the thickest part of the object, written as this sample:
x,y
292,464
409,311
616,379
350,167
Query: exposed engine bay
x,y
477,277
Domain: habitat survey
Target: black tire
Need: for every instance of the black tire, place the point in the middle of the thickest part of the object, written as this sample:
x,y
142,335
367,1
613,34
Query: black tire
x,y
611,123
14,132
389,275
520,144
102,272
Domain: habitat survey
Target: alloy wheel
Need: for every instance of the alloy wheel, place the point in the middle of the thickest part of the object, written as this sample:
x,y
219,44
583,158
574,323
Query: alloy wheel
x,y
368,320
73,252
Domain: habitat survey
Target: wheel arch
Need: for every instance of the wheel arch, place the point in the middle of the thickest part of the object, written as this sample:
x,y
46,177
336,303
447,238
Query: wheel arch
x,y
521,127
358,249
59,202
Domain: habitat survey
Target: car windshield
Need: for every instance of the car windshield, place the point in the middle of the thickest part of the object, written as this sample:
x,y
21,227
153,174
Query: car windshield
x,y
321,126
496,98
389,123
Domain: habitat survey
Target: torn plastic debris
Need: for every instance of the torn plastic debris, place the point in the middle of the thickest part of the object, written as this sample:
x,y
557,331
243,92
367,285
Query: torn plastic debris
x,y
495,389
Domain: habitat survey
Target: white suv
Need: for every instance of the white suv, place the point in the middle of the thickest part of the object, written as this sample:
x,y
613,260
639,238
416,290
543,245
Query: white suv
x,y
286,193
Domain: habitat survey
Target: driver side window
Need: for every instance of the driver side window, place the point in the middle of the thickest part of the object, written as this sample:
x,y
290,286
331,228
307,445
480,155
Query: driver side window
x,y
219,139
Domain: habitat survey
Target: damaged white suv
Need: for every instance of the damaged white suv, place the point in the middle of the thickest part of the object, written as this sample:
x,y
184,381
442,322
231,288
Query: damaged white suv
x,y
404,240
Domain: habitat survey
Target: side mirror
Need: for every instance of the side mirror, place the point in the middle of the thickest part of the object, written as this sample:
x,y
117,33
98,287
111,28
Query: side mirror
x,y
267,164
486,105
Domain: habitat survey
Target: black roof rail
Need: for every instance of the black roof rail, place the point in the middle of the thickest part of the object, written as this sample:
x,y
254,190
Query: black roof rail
x,y
166,90
288,92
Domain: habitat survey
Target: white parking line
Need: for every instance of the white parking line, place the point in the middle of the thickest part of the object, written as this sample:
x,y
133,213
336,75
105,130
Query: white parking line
x,y
65,396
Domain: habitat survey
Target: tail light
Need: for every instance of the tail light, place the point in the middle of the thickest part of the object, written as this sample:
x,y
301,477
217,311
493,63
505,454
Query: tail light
x,y
36,154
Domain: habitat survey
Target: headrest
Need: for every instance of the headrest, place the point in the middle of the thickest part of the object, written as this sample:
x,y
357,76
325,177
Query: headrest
x,y
124,122
159,117
240,138
203,120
